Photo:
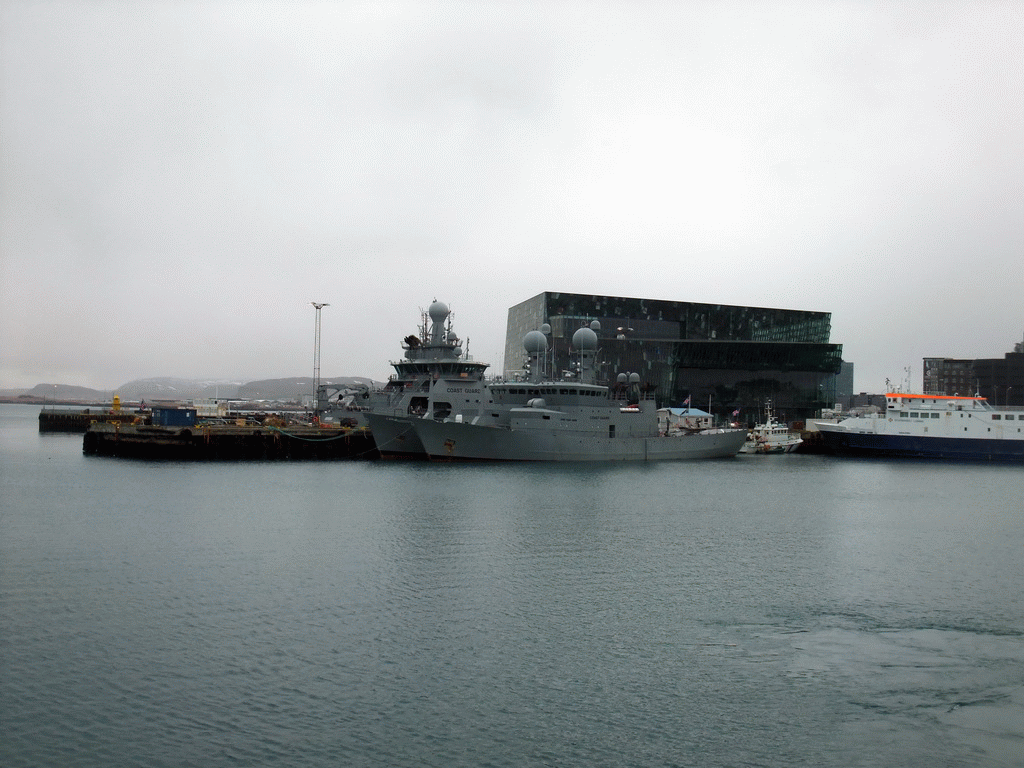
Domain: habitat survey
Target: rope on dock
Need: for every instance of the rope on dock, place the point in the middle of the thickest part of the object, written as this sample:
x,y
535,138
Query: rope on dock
x,y
347,434
309,439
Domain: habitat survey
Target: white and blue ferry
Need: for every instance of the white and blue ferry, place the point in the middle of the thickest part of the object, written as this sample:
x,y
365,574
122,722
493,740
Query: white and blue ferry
x,y
931,426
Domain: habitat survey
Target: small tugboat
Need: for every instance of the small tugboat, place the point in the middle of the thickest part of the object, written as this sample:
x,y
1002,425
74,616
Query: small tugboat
x,y
771,437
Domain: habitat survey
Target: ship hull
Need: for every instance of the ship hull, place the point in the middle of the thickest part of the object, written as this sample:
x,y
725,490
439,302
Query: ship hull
x,y
848,443
395,436
765,447
454,441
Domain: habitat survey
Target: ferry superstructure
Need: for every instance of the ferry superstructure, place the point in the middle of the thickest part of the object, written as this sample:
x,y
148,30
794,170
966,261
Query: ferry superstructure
x,y
931,426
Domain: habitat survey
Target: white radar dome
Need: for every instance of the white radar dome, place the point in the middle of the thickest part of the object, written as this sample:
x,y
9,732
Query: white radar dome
x,y
438,311
584,339
535,342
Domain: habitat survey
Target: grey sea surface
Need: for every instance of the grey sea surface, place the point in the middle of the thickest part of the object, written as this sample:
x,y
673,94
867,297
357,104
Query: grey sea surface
x,y
757,611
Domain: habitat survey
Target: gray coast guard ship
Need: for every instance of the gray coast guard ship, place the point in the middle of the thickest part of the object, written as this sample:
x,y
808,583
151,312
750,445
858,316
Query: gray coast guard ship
x,y
577,420
433,381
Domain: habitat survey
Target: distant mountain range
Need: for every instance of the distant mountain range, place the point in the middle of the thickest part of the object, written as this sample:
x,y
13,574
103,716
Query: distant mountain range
x,y
287,390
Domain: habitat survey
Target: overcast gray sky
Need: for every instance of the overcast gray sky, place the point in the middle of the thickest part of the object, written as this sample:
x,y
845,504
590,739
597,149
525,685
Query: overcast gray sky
x,y
181,179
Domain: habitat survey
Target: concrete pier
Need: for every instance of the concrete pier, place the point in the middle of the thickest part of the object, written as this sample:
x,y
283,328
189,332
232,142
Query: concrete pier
x,y
228,442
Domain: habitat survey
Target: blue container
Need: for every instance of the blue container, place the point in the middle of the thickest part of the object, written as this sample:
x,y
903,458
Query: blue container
x,y
174,417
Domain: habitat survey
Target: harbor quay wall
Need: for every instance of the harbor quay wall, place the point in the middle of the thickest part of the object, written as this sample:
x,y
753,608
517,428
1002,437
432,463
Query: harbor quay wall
x,y
228,442
79,421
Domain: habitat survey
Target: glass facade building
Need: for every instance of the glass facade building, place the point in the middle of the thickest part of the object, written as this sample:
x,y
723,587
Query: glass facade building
x,y
721,357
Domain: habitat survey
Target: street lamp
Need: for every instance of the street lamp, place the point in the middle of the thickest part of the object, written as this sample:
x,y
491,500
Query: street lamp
x,y
316,359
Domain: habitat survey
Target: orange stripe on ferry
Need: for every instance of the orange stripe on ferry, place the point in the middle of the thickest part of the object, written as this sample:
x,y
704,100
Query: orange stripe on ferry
x,y
932,397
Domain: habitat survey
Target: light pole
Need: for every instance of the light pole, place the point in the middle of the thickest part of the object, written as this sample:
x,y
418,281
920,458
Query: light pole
x,y
316,360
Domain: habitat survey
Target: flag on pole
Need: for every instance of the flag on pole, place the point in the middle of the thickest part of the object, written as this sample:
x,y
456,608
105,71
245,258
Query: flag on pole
x,y
686,402
736,413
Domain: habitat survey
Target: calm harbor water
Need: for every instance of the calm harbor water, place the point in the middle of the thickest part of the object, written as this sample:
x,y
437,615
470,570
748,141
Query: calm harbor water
x,y
756,611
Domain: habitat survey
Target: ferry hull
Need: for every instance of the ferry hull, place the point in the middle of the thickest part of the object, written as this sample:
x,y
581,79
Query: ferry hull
x,y
453,441
917,446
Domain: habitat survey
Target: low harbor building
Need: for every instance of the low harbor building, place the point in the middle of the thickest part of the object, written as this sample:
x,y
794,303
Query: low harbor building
x,y
998,380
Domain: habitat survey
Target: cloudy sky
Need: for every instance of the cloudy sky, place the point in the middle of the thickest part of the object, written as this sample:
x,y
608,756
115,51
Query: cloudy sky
x,y
181,179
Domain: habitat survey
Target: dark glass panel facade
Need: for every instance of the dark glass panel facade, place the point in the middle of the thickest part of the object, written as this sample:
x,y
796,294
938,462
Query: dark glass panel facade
x,y
731,356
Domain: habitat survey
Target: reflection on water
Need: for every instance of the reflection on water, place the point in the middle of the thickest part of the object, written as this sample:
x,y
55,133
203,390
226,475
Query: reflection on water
x,y
765,610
